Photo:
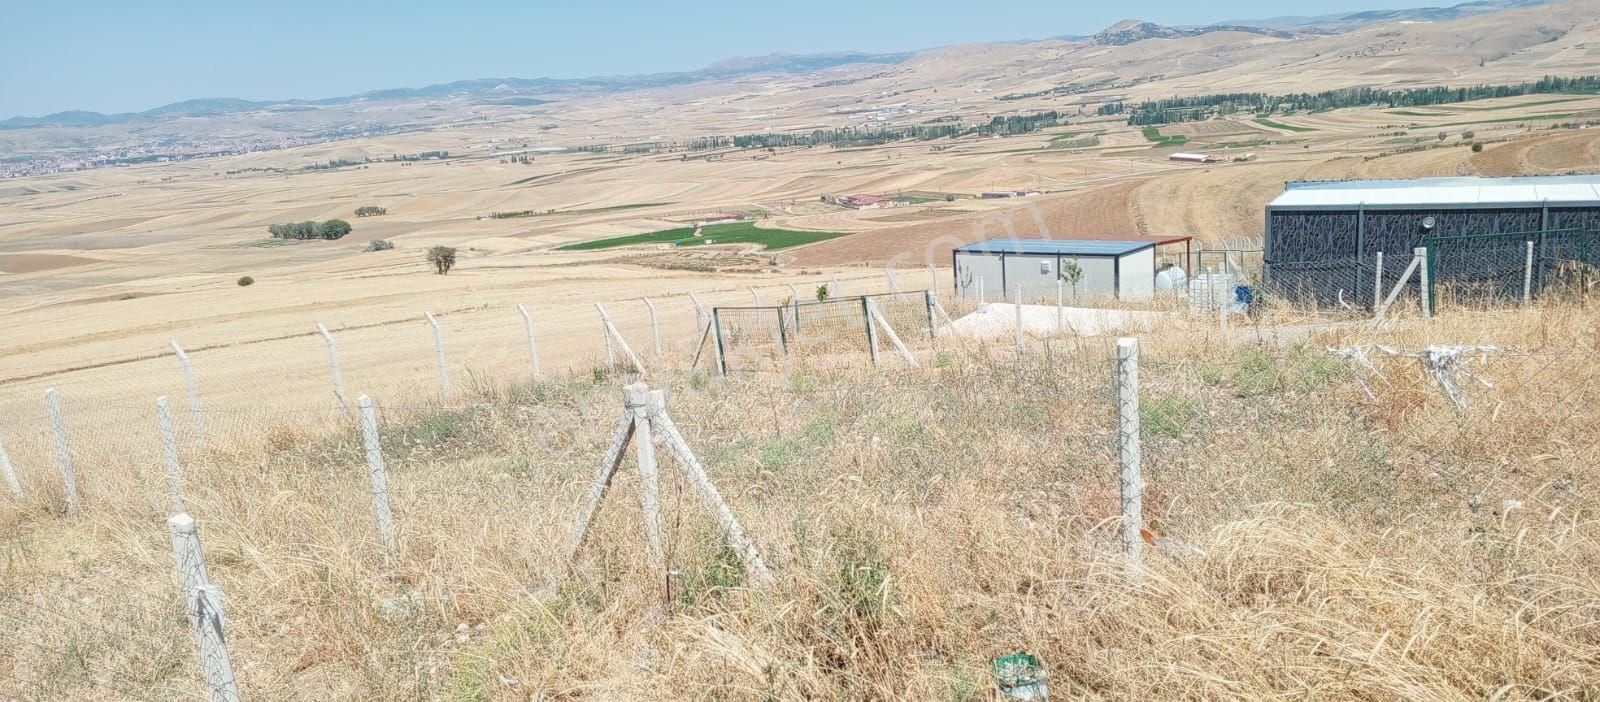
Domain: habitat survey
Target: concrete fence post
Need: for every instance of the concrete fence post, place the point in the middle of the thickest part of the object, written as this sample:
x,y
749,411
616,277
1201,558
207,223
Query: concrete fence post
x,y
755,297
533,346
438,351
894,338
1128,446
835,290
655,327
1016,302
888,275
933,278
11,473
611,331
1061,313
1421,255
981,301
377,475
192,384
1527,277
203,603
333,366
169,455
1377,282
872,333
701,317
58,430
640,402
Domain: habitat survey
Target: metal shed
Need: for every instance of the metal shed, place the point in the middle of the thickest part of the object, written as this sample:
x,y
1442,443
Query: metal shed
x,y
1322,238
1122,269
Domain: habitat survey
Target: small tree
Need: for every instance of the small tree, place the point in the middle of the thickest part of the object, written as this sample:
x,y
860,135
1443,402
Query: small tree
x,y
1443,136
1070,274
1477,147
443,259
822,292
1467,136
246,281
380,245
333,229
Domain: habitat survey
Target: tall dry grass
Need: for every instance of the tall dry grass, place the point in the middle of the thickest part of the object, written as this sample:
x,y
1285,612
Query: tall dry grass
x,y
1336,544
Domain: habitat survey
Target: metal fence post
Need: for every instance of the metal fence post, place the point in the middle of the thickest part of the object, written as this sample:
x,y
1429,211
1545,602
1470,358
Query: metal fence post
x,y
333,365
438,350
533,346
11,473
169,455
722,357
376,473
203,602
193,384
1128,446
1421,254
872,335
58,428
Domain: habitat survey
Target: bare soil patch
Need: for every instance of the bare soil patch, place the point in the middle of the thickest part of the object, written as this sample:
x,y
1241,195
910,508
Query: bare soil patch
x,y
36,262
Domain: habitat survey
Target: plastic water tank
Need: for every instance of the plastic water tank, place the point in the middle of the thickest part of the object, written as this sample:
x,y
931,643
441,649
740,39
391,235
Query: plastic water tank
x,y
1171,279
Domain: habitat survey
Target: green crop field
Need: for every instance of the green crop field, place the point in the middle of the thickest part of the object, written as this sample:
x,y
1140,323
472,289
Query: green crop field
x,y
729,233
1279,125
1154,134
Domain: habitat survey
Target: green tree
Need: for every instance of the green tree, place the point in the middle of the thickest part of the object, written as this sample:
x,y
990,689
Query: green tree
x,y
333,229
822,292
1070,274
443,259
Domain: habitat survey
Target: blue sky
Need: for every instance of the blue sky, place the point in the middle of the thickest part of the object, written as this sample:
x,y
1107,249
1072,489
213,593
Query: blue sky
x,y
117,55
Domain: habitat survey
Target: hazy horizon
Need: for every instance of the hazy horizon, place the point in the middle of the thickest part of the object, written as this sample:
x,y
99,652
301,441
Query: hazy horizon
x,y
104,57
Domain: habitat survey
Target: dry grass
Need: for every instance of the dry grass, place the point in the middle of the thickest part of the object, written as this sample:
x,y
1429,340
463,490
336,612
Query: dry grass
x,y
921,521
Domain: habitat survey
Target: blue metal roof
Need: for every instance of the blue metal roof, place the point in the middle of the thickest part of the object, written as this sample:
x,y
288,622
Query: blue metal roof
x,y
1056,247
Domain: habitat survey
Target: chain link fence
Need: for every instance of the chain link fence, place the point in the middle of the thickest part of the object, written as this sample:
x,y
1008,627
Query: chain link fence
x,y
845,331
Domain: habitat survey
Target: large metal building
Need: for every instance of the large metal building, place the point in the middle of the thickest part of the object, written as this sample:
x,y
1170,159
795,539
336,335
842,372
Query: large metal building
x,y
1323,238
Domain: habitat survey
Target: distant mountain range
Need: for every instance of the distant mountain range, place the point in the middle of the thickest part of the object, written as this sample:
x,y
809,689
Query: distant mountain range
x,y
489,91
530,91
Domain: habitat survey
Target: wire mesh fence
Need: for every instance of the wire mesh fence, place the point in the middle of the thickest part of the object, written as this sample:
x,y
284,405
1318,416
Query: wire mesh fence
x,y
1493,270
849,330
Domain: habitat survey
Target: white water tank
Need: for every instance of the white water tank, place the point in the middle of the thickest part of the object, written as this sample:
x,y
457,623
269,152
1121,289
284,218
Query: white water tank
x,y
1171,279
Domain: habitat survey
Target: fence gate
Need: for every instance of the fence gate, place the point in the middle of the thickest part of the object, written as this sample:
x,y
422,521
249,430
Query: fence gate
x,y
760,337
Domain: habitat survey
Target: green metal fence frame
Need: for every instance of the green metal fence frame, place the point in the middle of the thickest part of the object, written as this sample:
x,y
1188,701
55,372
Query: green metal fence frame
x,y
1432,245
784,335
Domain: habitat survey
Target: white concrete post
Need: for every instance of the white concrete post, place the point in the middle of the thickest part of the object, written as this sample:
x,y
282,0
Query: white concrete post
x,y
1377,282
741,542
333,366
655,326
836,290
933,279
1128,446
894,338
1016,302
602,479
1527,277
533,346
438,350
1061,313
701,317
11,473
1421,255
640,400
755,296
196,409
888,274
58,429
981,301
169,455
794,293
376,473
611,331
203,602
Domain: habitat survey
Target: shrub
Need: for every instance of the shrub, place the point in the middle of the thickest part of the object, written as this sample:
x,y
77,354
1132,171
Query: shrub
x,y
822,292
246,281
1467,136
331,229
371,211
443,259
1477,147
380,245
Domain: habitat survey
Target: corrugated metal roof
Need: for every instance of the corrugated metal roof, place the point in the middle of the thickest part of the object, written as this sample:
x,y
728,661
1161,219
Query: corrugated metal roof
x,y
1443,192
1054,247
